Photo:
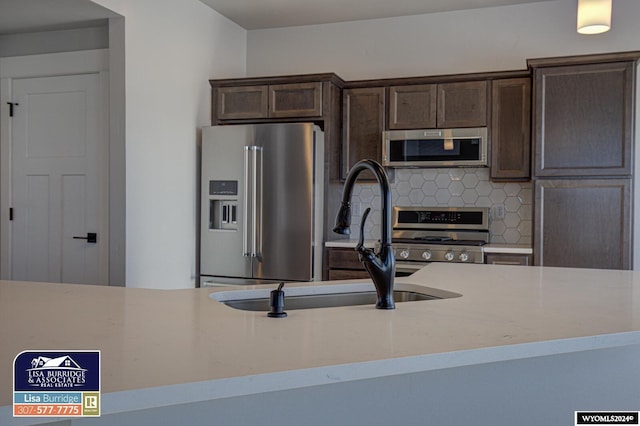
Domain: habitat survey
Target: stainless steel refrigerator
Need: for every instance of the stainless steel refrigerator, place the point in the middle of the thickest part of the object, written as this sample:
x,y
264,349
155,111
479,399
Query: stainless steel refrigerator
x,y
261,204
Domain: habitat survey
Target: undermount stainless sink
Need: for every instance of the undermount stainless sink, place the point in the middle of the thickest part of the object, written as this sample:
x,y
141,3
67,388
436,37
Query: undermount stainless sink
x,y
326,296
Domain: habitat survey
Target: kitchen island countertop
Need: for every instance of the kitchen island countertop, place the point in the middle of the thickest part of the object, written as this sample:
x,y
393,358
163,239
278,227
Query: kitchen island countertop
x,y
505,313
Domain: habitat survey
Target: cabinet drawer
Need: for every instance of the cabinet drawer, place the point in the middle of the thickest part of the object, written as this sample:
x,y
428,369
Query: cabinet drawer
x,y
508,259
344,259
295,100
344,264
242,102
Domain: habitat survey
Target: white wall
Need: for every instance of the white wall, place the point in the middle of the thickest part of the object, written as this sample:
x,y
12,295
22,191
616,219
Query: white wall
x,y
35,43
490,39
54,41
172,48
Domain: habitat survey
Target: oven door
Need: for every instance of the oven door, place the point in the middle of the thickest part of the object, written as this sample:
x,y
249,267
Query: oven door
x,y
404,269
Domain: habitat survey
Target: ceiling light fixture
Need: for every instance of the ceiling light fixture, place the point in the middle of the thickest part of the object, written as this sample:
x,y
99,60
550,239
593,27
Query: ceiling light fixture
x,y
594,16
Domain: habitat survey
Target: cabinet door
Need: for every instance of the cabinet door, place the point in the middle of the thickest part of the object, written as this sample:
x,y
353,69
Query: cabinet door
x,y
462,104
511,129
241,102
363,124
412,107
583,223
583,119
295,100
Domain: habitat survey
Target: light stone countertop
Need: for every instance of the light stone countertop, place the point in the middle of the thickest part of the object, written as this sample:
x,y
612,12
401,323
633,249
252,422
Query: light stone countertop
x,y
507,248
163,347
349,243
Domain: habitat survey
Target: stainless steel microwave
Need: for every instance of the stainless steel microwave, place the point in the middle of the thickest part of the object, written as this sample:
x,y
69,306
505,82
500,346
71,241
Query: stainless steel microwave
x,y
435,148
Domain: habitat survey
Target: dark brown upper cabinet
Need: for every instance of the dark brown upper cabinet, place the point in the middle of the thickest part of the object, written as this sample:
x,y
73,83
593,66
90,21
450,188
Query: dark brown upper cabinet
x,y
295,100
291,100
412,107
511,129
442,105
584,119
244,102
462,104
362,126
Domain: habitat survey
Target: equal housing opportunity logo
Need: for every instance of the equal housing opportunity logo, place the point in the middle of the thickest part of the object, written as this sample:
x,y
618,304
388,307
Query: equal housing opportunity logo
x,y
57,384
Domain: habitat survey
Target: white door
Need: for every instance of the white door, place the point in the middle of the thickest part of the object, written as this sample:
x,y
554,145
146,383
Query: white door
x,y
58,177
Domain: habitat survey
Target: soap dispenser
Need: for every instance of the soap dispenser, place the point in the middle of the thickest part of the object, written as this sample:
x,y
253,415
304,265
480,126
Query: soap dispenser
x,y
276,302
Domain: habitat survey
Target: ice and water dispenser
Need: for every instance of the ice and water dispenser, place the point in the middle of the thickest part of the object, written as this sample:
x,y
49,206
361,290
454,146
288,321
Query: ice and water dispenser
x,y
223,204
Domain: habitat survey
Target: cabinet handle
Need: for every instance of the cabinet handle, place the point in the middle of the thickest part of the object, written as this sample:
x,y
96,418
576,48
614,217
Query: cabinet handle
x,y
91,237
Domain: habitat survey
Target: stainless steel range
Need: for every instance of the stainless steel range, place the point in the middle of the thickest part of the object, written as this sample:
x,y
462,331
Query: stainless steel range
x,y
438,234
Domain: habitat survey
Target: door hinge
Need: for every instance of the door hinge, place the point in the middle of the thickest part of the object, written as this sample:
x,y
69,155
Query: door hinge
x,y
11,105
10,213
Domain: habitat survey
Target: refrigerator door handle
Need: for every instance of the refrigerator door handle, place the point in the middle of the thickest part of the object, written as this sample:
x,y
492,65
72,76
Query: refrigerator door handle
x,y
252,241
257,202
247,240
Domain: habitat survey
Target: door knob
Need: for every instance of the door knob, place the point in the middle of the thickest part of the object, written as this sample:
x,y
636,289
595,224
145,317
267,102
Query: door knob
x,y
91,237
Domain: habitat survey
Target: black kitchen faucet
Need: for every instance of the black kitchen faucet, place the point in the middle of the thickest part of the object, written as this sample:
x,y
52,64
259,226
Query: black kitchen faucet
x,y
380,266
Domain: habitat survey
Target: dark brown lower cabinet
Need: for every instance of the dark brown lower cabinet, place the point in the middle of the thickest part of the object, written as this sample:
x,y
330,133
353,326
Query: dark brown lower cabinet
x,y
508,259
583,223
344,264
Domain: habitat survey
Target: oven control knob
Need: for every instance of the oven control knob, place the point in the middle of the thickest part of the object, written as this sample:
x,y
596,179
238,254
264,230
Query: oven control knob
x,y
404,254
464,256
448,256
426,255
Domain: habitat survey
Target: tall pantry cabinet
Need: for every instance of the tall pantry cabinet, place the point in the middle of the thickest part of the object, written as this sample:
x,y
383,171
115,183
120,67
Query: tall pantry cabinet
x,y
583,133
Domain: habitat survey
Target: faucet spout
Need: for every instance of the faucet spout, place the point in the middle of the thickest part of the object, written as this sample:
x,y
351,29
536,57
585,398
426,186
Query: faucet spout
x,y
381,265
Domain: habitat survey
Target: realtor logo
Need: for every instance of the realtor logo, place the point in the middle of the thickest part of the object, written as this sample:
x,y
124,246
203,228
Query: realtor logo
x,y
47,383
60,362
90,401
91,404
58,372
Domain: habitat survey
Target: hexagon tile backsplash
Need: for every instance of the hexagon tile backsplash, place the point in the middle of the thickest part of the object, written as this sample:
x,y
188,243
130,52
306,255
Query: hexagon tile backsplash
x,y
510,203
